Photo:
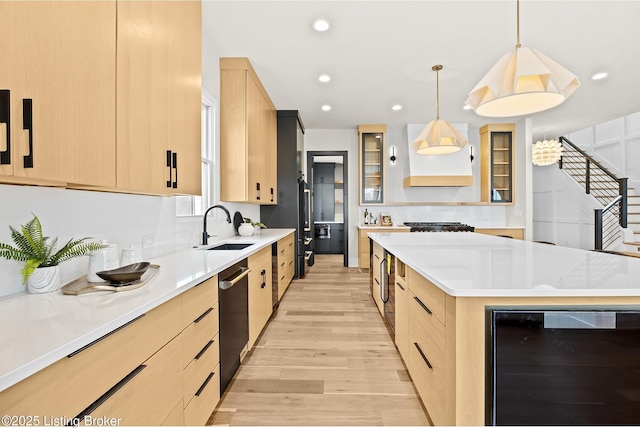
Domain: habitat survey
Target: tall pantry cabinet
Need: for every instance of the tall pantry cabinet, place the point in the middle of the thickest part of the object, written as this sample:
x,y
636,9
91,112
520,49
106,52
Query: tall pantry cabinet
x,y
57,92
101,95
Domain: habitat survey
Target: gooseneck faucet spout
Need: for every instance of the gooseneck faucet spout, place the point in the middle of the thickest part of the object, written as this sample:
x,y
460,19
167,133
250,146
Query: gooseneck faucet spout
x,y
205,235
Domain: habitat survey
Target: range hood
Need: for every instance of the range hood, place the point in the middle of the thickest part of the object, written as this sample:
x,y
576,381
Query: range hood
x,y
452,170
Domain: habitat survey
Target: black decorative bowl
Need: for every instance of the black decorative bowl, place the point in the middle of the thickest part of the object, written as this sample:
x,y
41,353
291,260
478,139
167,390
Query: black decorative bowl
x,y
124,274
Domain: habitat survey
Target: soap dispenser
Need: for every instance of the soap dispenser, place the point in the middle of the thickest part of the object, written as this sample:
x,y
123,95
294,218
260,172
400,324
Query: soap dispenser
x,y
103,259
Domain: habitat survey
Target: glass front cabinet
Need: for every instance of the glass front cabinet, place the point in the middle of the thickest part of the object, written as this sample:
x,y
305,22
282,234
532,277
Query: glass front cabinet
x,y
497,166
371,163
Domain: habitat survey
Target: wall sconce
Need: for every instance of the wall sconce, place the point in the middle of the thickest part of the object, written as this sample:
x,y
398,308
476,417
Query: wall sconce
x,y
393,155
470,153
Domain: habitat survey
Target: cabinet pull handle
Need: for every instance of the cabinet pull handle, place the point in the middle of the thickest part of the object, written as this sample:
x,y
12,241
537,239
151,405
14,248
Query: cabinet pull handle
x,y
207,312
400,285
423,305
264,278
175,167
424,357
27,124
203,350
118,386
170,180
272,194
376,280
258,191
74,353
204,385
5,117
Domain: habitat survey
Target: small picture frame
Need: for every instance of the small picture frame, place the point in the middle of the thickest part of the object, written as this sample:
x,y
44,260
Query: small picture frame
x,y
385,220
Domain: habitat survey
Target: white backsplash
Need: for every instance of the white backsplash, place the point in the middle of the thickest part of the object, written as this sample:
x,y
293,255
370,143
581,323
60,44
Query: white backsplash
x,y
147,222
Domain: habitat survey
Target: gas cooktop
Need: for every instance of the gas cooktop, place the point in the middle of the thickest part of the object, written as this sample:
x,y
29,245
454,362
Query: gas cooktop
x,y
438,227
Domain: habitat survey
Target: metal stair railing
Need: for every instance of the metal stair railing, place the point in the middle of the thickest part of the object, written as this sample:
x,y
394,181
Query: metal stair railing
x,y
599,182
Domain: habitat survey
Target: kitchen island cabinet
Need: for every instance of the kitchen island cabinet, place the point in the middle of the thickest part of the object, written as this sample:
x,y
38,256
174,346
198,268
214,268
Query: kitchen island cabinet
x,y
363,242
454,278
248,136
98,353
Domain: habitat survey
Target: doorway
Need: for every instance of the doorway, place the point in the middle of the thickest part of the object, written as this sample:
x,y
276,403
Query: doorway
x,y
328,179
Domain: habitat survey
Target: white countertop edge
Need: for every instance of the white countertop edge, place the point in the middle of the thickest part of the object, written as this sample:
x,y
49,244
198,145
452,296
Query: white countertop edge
x,y
410,255
31,365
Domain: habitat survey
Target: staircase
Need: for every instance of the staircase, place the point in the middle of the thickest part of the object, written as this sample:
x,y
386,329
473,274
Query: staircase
x,y
632,237
611,222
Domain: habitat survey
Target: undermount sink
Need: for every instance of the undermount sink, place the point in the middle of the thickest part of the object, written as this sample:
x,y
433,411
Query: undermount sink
x,y
231,246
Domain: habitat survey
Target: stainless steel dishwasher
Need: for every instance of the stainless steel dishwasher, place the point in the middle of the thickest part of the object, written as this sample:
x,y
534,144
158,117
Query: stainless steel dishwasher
x,y
233,295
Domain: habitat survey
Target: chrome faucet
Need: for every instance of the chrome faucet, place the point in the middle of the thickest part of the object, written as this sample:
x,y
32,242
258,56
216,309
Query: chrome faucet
x,y
205,235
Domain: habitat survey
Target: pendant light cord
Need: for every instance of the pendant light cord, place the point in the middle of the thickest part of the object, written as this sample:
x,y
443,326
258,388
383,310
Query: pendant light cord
x,y
518,46
437,68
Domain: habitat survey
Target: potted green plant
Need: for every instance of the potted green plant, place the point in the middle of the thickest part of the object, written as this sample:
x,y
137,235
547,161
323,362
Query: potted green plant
x,y
41,258
248,227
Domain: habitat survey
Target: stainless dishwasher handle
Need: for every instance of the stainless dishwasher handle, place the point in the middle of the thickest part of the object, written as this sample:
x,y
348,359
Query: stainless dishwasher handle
x,y
227,284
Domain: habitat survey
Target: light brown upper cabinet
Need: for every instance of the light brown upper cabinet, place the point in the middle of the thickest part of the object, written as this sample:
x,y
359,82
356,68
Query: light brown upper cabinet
x,y
248,144
497,163
57,93
159,97
101,95
371,163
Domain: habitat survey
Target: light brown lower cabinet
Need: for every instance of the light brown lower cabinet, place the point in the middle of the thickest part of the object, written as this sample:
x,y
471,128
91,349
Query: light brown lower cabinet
x,y
285,263
260,293
158,369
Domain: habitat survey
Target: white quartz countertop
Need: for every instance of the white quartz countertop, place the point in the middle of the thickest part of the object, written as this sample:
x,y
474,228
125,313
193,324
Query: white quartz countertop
x,y
377,226
40,329
478,265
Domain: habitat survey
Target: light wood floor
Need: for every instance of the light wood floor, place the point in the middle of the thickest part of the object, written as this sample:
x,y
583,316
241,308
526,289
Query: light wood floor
x,y
325,358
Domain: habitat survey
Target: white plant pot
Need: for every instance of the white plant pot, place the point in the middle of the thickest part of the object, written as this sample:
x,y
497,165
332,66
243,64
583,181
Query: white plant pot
x,y
246,229
44,280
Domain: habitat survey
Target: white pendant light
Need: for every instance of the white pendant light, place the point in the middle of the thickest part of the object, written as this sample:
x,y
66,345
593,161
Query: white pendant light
x,y
523,81
438,137
546,152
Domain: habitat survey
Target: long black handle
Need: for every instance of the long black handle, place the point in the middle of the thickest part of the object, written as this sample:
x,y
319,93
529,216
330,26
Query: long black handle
x,y
5,117
423,305
272,194
169,164
424,357
27,124
264,278
74,353
175,167
201,317
204,385
258,191
203,350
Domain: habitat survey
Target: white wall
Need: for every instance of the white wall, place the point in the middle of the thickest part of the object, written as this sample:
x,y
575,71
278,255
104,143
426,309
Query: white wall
x,y
563,212
412,204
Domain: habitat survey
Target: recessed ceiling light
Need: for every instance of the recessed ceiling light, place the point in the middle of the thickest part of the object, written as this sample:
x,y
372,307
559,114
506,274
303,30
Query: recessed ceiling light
x,y
599,76
326,107
396,107
324,78
321,25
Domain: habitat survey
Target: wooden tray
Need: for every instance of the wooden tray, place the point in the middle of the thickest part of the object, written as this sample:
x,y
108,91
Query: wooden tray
x,y
82,286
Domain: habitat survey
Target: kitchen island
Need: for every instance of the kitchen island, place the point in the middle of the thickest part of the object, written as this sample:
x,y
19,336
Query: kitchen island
x,y
445,287
148,356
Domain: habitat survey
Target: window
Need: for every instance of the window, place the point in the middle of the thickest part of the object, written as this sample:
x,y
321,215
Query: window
x,y
196,205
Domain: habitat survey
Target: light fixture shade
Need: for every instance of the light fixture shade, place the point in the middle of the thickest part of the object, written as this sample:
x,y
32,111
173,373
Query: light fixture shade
x,y
546,152
523,81
438,138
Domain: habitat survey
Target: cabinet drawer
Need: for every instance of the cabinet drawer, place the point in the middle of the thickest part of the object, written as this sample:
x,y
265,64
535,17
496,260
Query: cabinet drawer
x,y
430,295
204,401
197,371
198,334
428,333
70,385
429,384
198,299
148,394
176,417
260,258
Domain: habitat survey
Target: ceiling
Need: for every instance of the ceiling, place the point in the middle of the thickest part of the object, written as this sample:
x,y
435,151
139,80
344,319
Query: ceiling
x,y
380,53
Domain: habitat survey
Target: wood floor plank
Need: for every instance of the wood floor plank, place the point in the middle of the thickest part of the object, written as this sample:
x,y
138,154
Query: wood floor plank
x,y
324,359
